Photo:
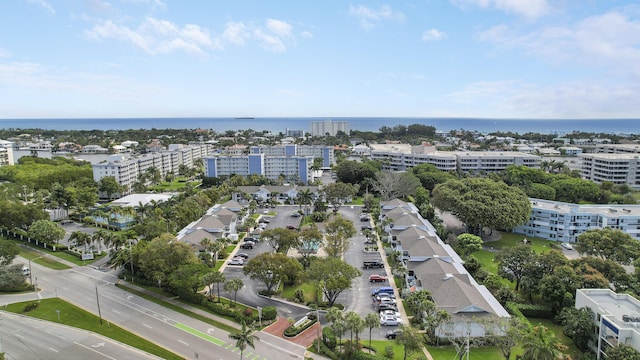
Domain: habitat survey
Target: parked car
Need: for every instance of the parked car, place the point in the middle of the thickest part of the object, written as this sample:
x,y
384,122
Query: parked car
x,y
381,296
391,312
567,246
364,218
247,245
292,227
243,255
387,300
236,261
366,227
388,320
377,278
295,214
264,221
387,306
392,334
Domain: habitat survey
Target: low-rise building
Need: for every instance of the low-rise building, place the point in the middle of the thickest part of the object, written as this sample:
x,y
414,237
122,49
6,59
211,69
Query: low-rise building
x,y
616,168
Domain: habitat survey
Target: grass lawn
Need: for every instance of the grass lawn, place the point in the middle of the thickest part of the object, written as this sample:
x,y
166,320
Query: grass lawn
x,y
308,288
483,353
557,330
175,185
380,345
29,253
76,317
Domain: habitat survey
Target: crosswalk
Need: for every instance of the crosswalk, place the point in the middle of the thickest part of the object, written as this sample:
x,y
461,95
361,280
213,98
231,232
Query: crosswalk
x,y
248,355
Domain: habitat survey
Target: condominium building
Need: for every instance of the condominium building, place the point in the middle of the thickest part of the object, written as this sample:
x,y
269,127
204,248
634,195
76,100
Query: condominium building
x,y
616,168
618,148
322,128
564,222
616,317
6,156
400,157
126,170
315,151
293,168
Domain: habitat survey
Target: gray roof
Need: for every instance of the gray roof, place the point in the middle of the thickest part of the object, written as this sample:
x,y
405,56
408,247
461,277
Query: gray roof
x,y
193,238
232,205
210,222
422,247
455,293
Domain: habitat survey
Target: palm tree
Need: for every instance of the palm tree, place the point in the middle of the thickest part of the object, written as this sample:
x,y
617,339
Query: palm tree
x,y
213,277
305,197
541,344
243,338
355,324
339,326
372,320
233,285
80,238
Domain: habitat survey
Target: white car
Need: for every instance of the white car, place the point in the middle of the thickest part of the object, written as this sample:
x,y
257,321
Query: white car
x,y
386,300
390,312
389,320
567,246
236,261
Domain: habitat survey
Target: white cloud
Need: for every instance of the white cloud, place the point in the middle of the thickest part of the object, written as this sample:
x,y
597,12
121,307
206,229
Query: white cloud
x,y
611,40
306,35
527,8
269,42
236,33
280,28
369,18
433,35
155,36
44,4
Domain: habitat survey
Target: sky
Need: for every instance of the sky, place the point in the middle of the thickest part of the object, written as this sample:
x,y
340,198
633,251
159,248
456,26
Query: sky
x,y
404,58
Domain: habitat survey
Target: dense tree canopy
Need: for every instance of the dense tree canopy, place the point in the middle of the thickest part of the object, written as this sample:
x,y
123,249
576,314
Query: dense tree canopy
x,y
608,244
333,276
46,231
8,251
158,258
480,202
337,234
273,268
514,262
391,185
337,194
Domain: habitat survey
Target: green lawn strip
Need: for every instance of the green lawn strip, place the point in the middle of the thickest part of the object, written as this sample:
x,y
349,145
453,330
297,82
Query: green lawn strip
x,y
557,330
380,345
72,315
29,253
181,310
200,334
307,288
483,353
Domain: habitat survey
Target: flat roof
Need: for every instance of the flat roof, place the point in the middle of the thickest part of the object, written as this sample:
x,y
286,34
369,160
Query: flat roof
x,y
134,200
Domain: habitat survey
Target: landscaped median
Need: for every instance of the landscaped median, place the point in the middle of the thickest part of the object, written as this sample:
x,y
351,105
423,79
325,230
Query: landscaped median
x,y
301,325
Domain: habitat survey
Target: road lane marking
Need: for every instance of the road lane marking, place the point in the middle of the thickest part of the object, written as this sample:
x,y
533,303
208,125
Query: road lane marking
x,y
183,342
199,334
94,350
116,311
52,349
149,326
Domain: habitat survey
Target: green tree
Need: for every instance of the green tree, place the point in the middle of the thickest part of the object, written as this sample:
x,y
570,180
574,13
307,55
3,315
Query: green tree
x,y
392,185
482,202
11,278
233,285
558,288
187,277
14,215
355,324
8,251
468,244
337,234
410,340
622,352
513,262
80,238
280,239
110,186
244,338
272,268
308,242
46,231
372,320
159,257
608,244
305,197
213,277
541,344
578,325
337,194
333,276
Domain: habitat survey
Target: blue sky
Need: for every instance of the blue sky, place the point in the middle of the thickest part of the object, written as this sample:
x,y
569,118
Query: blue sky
x,y
409,58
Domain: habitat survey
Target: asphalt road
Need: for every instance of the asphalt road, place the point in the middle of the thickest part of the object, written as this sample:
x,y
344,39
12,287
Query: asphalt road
x,y
22,337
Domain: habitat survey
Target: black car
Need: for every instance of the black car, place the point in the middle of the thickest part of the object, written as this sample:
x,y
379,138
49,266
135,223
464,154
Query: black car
x,y
387,306
243,255
366,227
264,221
392,334
247,245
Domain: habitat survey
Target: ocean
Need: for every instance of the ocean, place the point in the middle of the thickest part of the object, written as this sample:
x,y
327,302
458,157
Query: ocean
x,y
521,126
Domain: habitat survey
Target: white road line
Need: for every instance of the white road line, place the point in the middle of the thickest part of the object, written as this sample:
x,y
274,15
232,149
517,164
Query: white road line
x,y
149,326
183,342
52,349
116,311
95,351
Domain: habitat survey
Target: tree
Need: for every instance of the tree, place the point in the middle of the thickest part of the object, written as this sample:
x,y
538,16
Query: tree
x,y
110,186
14,215
468,243
244,338
541,344
46,231
159,257
11,278
514,261
337,194
392,185
480,202
355,324
622,352
233,285
308,242
305,197
187,277
80,238
333,276
280,239
558,288
8,251
372,320
608,244
211,278
338,232
578,325
410,339
272,268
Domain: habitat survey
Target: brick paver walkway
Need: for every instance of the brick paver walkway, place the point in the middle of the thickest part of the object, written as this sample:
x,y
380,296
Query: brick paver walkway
x,y
304,339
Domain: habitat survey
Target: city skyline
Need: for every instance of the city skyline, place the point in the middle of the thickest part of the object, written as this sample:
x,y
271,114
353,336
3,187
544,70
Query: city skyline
x,y
456,58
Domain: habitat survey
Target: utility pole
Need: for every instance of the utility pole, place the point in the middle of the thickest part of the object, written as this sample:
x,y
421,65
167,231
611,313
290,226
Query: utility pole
x,y
98,302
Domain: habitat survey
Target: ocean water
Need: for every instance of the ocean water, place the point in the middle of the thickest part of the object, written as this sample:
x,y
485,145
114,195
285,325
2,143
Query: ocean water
x,y
521,126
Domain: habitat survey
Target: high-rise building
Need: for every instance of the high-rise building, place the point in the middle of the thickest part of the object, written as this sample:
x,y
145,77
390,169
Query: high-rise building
x,y
322,128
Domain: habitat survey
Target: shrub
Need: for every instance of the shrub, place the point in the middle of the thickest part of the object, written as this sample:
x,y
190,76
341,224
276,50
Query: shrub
x,y
299,296
269,313
388,351
30,306
248,312
329,338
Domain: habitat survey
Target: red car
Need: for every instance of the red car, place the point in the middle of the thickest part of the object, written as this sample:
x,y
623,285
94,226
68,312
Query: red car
x,y
377,278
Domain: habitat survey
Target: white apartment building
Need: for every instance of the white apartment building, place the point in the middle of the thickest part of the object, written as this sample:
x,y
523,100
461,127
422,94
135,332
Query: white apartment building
x,y
564,222
400,157
293,168
616,168
6,156
616,317
126,170
315,151
618,148
322,128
